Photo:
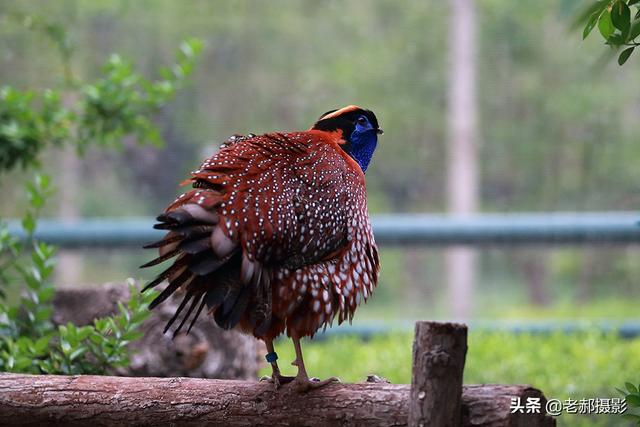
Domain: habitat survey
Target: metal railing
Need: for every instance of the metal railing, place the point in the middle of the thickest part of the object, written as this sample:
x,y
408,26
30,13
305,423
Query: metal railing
x,y
564,228
627,329
405,229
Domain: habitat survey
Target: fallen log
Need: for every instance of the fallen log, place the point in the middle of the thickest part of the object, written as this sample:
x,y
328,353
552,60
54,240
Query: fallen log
x,y
106,401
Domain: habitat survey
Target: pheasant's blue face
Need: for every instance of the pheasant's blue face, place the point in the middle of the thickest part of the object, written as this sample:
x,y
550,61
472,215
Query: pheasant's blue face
x,y
359,130
363,142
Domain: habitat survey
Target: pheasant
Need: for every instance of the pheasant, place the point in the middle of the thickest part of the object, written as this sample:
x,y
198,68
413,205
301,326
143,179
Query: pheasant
x,y
275,234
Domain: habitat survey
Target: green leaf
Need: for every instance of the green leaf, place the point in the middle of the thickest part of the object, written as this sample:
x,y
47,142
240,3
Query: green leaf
x,y
77,352
139,316
123,311
635,30
46,293
84,332
605,25
42,344
101,324
65,346
29,223
43,313
625,55
96,338
633,400
22,363
593,20
621,17
631,388
132,336
31,282
588,12
615,39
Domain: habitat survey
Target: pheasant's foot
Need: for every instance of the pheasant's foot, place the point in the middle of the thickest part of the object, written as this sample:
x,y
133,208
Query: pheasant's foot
x,y
303,384
277,380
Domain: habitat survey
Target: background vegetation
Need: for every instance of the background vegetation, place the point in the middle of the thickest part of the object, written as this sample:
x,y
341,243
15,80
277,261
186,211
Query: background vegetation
x,y
558,129
557,121
116,106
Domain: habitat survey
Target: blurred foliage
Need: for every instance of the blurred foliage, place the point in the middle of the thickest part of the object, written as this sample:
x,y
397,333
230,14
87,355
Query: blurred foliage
x,y
632,396
29,342
118,104
576,366
11,249
26,128
557,133
122,102
618,22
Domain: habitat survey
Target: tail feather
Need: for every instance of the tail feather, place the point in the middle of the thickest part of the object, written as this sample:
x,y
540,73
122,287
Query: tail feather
x,y
183,303
208,265
185,277
194,303
168,239
260,316
179,264
215,296
206,277
161,258
195,246
229,313
195,317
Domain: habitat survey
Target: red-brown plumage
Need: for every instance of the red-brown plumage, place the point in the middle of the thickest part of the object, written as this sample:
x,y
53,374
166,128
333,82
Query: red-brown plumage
x,y
274,236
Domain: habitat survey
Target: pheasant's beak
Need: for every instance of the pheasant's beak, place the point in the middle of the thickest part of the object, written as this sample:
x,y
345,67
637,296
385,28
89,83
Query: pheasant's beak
x,y
379,131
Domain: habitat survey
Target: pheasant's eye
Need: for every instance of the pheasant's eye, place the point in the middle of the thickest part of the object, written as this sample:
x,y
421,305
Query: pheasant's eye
x,y
362,120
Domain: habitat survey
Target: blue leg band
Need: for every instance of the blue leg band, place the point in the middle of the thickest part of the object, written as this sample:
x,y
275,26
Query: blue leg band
x,y
271,357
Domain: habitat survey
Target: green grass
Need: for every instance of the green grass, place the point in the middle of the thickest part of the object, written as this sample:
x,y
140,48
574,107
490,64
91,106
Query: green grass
x,y
580,365
610,308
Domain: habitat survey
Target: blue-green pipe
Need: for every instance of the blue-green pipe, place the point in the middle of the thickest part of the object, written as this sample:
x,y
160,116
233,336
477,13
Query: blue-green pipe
x,y
368,330
422,229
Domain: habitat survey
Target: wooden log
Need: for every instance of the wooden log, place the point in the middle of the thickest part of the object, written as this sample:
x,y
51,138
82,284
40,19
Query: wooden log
x,y
105,401
439,351
207,351
490,405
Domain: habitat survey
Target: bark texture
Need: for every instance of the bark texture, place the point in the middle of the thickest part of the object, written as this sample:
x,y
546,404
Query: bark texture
x,y
107,401
207,352
489,405
439,351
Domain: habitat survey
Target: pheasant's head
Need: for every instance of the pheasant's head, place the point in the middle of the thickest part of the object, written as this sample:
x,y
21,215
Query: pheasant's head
x,y
359,130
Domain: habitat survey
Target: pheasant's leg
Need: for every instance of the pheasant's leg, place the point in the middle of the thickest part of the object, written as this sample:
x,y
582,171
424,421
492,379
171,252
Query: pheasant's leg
x,y
276,377
302,381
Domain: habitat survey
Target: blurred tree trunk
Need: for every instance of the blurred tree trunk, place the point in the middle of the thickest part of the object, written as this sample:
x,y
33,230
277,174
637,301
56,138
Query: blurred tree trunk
x,y
68,268
418,290
534,266
588,268
462,161
69,265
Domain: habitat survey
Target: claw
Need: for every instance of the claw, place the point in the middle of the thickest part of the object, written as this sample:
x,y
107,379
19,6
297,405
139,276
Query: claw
x,y
277,380
303,385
